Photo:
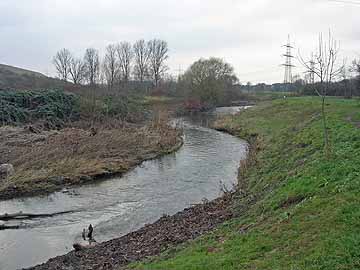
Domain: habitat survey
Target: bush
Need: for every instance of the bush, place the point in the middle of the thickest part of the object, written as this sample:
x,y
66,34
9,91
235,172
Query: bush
x,y
53,106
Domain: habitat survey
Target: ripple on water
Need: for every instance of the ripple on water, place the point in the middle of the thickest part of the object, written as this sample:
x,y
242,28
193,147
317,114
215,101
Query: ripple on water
x,y
120,205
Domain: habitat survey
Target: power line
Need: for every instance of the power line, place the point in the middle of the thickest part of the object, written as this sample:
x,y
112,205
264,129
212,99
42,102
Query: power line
x,y
350,2
272,69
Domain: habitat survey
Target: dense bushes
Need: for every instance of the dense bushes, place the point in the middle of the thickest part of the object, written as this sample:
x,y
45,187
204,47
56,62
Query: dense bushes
x,y
52,106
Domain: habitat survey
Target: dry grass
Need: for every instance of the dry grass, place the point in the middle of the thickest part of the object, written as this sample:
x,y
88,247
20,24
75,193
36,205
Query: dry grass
x,y
50,160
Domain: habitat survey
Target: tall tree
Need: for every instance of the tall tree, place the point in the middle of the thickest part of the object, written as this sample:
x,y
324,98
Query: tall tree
x,y
92,65
158,55
326,69
77,70
355,67
208,79
248,86
141,65
62,61
111,66
125,56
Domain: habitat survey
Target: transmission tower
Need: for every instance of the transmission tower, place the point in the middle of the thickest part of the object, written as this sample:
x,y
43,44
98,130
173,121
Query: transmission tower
x,y
288,65
179,72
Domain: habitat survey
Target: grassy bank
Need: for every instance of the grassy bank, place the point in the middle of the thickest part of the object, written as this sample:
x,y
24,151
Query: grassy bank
x,y
47,161
296,209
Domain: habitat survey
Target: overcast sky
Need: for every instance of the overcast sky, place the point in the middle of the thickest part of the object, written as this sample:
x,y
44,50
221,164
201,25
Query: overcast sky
x,y
246,33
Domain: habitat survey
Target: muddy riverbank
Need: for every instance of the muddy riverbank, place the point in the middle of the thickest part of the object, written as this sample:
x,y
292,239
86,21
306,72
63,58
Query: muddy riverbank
x,y
149,241
48,161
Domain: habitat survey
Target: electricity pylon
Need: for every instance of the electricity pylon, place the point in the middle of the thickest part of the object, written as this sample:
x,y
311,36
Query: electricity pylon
x,y
288,65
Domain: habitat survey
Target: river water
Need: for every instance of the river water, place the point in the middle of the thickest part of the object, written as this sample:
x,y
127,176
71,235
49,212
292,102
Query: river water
x,y
207,160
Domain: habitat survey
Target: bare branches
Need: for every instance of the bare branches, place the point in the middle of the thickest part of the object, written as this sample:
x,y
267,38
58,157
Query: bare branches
x,y
125,56
144,60
141,58
158,55
77,70
92,65
62,61
111,66
325,67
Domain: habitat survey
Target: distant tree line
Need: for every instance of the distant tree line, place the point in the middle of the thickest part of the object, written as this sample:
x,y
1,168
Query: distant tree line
x,y
346,84
122,62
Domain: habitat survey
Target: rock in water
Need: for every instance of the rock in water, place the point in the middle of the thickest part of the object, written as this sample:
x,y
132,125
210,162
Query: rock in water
x,y
78,246
6,170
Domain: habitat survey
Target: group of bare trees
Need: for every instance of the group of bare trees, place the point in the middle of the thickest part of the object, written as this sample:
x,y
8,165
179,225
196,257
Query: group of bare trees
x,y
144,60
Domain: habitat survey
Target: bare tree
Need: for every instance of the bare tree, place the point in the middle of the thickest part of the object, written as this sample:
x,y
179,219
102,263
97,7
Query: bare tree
x,y
111,66
248,86
77,70
344,74
325,68
92,65
355,68
62,61
125,56
158,55
142,54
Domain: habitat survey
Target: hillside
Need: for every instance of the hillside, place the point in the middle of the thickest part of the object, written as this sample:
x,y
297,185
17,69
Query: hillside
x,y
295,208
18,78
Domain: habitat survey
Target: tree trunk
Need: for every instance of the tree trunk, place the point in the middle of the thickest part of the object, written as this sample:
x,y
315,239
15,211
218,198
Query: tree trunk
x,y
21,215
325,130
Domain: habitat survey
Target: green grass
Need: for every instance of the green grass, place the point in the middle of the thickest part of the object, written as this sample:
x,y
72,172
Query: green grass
x,y
307,212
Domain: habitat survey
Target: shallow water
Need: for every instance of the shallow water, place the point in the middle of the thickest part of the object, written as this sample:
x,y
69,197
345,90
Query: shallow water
x,y
120,205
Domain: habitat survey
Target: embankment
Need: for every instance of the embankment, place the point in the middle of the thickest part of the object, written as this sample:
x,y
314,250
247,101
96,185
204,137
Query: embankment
x,y
295,208
304,206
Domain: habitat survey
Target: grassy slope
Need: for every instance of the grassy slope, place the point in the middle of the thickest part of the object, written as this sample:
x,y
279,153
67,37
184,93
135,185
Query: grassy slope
x,y
307,214
19,71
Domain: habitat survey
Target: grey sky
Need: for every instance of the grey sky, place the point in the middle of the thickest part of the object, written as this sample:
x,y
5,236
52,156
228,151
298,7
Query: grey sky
x,y
246,33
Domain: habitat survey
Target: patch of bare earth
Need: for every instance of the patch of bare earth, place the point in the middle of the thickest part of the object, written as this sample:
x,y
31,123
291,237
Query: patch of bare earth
x,y
352,121
46,161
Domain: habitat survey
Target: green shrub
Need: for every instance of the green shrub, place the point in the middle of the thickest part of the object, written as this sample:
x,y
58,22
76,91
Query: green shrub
x,y
53,106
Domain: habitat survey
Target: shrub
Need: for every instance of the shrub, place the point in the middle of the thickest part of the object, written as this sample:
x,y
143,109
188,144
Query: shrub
x,y
53,106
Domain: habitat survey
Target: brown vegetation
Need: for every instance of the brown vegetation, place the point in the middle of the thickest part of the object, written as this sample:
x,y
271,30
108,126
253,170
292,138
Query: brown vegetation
x,y
46,161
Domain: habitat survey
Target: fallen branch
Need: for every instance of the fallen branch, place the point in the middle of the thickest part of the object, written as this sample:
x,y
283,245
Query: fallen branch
x,y
21,215
12,227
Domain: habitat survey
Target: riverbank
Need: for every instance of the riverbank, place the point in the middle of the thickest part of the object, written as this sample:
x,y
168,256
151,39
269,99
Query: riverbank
x,y
151,240
294,208
304,206
48,161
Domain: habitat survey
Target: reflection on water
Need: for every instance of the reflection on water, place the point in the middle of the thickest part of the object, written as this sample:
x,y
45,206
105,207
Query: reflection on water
x,y
120,205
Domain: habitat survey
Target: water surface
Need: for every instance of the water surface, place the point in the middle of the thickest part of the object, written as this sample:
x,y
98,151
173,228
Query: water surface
x,y
120,205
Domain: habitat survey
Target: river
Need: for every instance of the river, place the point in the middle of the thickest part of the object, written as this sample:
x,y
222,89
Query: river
x,y
207,160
